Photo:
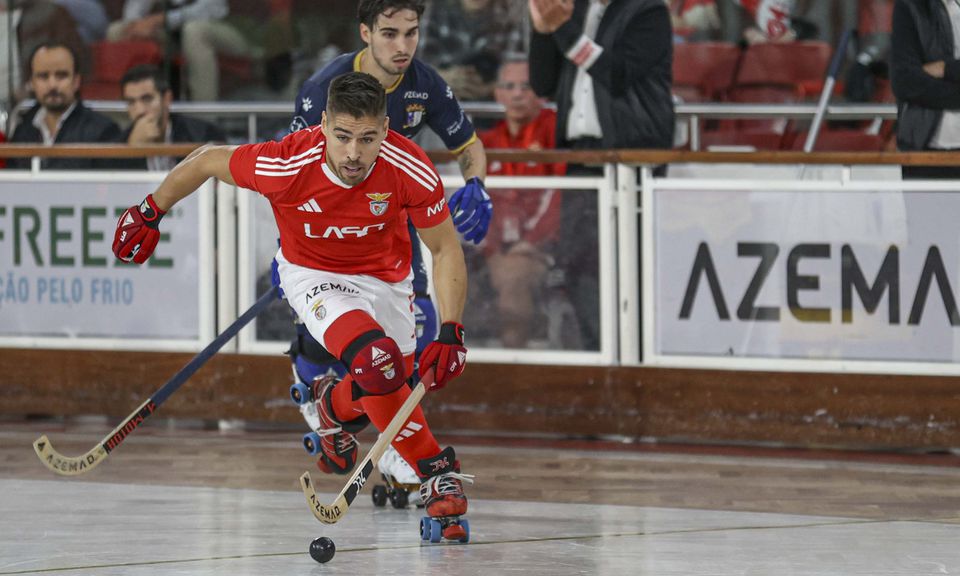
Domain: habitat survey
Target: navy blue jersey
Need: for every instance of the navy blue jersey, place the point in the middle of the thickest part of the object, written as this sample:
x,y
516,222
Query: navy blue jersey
x,y
419,98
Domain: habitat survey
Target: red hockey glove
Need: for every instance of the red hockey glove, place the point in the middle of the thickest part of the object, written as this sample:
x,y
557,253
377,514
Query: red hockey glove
x,y
447,353
137,231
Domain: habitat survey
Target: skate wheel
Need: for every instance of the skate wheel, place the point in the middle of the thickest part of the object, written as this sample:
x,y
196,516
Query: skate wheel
x,y
425,528
300,393
436,530
311,443
379,496
466,528
399,499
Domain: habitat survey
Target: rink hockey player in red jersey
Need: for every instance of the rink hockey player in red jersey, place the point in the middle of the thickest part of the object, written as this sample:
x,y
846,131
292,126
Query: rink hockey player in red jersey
x,y
341,193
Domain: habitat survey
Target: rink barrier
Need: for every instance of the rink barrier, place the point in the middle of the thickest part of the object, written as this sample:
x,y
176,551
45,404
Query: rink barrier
x,y
797,404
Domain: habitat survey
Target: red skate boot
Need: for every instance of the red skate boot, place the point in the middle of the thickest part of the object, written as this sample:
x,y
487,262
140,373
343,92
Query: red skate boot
x,y
441,490
332,440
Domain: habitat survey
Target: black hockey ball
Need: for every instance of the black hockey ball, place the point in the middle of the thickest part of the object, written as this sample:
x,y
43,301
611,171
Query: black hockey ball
x,y
322,549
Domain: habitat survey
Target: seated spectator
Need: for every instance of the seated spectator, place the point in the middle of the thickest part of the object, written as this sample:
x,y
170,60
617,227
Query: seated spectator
x,y
90,17
517,247
198,26
34,22
59,117
463,39
148,99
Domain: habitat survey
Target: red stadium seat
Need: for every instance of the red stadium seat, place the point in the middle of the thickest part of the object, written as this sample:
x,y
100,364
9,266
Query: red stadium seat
x,y
758,140
799,67
702,71
841,141
111,60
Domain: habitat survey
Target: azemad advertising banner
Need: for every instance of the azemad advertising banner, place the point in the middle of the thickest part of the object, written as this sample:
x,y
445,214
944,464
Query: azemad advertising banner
x,y
838,275
59,277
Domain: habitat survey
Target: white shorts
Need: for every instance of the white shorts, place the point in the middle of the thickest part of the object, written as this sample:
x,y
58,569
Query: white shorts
x,y
320,297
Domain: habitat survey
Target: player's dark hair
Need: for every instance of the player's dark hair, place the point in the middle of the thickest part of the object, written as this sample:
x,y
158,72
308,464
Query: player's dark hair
x,y
142,72
368,10
50,45
358,94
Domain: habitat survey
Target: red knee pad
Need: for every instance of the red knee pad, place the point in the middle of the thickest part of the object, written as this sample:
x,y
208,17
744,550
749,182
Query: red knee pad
x,y
378,367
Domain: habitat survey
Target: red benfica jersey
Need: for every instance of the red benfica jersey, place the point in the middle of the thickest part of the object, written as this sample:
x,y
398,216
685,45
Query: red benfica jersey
x,y
326,224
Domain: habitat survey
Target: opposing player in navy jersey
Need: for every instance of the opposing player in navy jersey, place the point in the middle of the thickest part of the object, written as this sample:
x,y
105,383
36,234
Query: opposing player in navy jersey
x,y
416,97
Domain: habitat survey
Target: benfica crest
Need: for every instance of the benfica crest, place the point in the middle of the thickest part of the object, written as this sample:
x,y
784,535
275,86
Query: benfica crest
x,y
378,202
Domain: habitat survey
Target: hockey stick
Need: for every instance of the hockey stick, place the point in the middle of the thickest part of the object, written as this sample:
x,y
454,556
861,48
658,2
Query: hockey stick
x,y
72,466
333,513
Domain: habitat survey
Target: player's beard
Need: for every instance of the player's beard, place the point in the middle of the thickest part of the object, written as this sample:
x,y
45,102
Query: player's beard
x,y
391,67
353,178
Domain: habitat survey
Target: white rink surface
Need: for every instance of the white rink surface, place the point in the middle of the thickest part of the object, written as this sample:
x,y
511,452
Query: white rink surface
x,y
78,528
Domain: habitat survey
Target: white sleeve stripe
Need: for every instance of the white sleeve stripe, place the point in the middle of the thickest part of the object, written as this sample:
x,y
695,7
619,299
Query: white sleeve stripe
x,y
275,172
410,168
411,158
409,173
296,164
316,149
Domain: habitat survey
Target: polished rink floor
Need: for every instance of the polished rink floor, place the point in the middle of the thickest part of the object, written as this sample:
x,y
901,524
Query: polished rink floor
x,y
176,501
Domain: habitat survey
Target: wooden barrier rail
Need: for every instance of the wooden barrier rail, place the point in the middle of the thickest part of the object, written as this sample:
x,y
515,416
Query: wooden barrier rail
x,y
789,408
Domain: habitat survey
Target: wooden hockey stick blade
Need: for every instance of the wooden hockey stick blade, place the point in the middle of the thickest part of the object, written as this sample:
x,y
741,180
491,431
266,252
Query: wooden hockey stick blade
x,y
74,465
334,512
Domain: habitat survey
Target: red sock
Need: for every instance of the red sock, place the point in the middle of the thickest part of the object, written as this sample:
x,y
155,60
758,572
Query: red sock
x,y
416,439
345,408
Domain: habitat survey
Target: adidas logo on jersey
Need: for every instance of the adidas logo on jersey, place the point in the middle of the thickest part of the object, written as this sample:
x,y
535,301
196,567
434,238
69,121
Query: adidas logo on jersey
x,y
409,430
310,206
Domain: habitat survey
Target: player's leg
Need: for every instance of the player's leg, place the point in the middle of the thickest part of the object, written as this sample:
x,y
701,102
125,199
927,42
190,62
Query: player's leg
x,y
438,471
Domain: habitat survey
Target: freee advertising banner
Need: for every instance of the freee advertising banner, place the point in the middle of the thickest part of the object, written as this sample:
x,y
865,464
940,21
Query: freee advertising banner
x,y
60,279
835,275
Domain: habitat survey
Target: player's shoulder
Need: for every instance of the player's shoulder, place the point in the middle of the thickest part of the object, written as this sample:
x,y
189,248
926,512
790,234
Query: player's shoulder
x,y
408,160
320,80
425,76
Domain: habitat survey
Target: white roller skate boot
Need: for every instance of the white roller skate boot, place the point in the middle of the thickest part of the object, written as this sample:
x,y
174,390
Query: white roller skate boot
x,y
402,483
441,489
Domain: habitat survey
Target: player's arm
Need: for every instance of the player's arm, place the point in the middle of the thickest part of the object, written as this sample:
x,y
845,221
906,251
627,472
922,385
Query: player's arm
x,y
473,161
449,269
447,354
138,229
203,163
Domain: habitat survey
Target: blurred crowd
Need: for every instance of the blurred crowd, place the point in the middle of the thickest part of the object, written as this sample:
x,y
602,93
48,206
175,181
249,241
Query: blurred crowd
x,y
613,71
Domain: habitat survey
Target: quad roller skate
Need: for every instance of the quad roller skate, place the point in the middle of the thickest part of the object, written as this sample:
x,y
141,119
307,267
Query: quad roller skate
x,y
401,485
333,441
442,493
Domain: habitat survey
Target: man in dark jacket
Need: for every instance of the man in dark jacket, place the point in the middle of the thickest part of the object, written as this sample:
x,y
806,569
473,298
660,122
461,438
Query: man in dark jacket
x,y
925,73
148,98
59,117
608,65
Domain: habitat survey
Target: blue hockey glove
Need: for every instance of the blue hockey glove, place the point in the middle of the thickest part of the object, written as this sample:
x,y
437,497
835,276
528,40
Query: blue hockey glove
x,y
472,210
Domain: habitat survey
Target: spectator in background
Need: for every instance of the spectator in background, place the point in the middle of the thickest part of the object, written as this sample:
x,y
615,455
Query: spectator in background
x,y
198,26
519,244
925,72
59,117
608,65
90,17
148,99
694,20
463,40
874,21
33,22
